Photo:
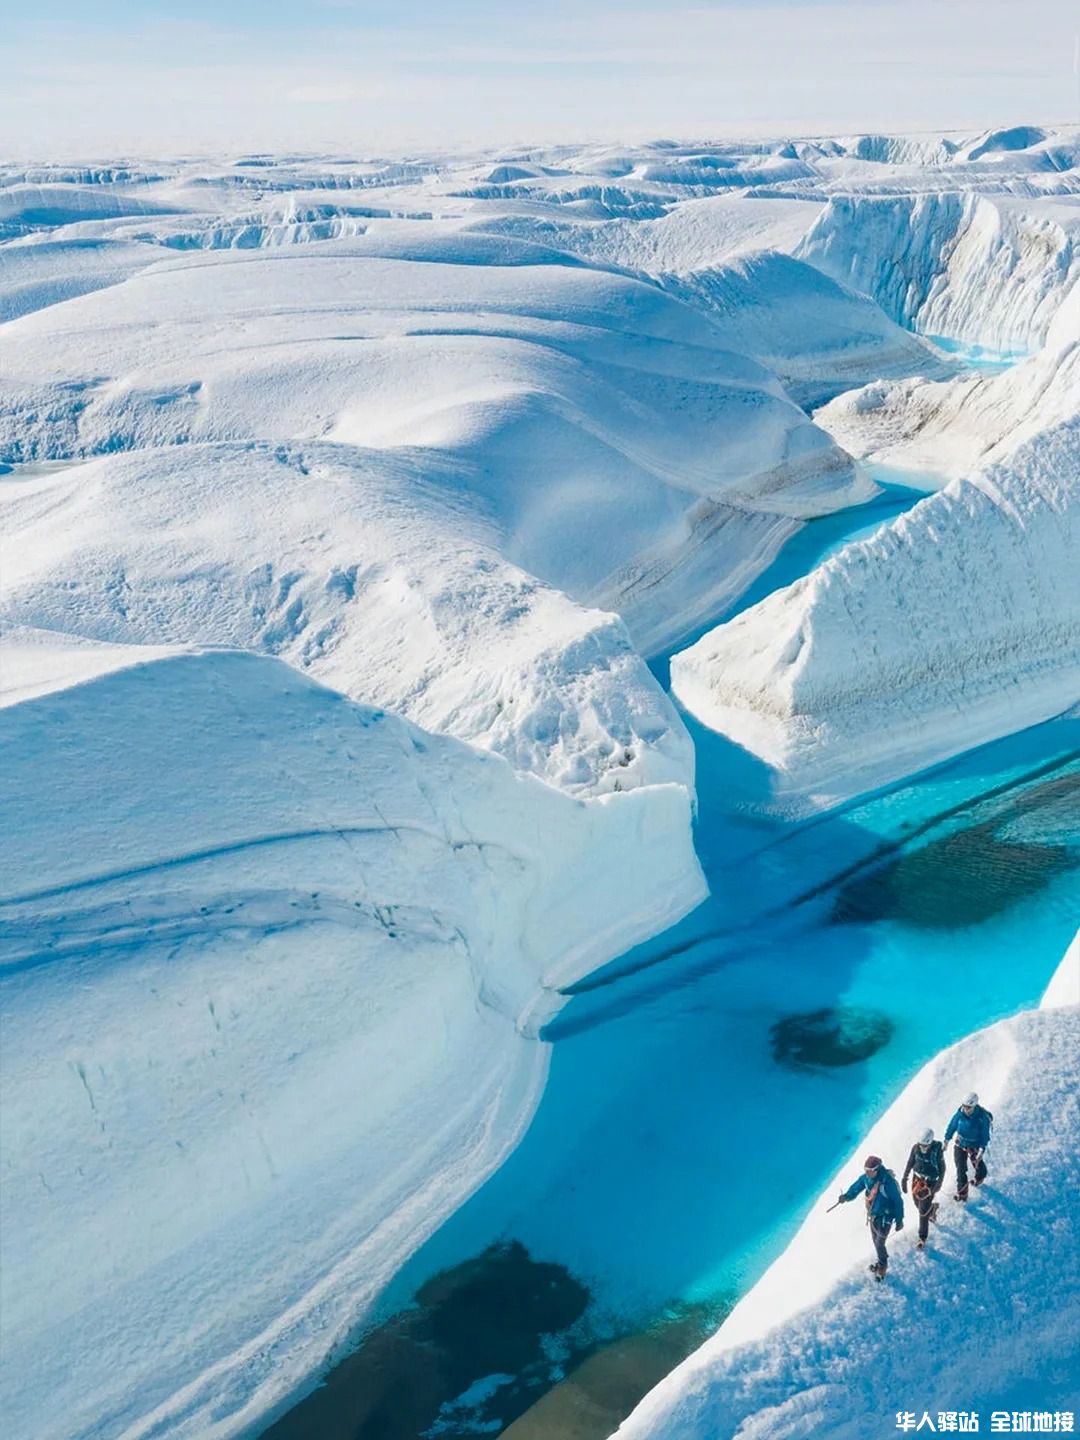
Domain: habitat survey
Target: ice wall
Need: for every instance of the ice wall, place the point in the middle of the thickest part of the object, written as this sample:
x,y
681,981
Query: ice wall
x,y
989,271
954,624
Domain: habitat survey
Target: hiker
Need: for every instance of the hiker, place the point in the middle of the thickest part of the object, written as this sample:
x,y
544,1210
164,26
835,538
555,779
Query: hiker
x,y
971,1125
884,1207
926,1166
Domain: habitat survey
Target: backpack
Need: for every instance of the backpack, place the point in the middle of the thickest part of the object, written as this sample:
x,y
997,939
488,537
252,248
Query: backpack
x,y
896,1203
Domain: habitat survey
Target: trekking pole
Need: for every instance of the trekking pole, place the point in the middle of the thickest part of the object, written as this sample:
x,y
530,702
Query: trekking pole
x,y
833,1207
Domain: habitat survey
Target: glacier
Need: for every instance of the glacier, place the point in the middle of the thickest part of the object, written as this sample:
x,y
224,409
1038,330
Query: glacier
x,y
352,512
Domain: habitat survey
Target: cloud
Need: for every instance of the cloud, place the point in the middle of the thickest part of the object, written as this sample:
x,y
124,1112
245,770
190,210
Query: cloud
x,y
322,92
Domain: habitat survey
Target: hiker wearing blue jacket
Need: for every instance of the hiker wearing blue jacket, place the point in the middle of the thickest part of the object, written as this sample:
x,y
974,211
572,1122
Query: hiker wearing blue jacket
x,y
884,1207
971,1125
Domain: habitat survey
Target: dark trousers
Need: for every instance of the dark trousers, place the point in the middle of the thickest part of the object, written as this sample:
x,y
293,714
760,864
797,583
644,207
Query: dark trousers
x,y
923,1199
961,1155
879,1234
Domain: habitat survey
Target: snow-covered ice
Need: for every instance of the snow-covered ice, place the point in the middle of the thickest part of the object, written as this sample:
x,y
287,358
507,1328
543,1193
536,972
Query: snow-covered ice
x,y
603,425
959,621
365,568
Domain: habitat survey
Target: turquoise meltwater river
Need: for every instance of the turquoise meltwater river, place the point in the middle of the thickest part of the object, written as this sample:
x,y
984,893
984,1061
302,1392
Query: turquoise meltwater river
x,y
705,1086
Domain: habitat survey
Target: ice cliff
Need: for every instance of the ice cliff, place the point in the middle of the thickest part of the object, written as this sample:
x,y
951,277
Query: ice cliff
x,y
960,621
956,623
991,270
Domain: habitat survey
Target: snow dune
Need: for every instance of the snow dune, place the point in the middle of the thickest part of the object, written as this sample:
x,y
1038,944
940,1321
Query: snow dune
x,y
988,1318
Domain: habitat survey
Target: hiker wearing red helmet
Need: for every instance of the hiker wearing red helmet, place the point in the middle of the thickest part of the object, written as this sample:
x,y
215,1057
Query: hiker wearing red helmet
x,y
884,1207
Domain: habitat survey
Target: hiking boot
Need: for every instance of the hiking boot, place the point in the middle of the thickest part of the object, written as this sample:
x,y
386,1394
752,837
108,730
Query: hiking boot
x,y
878,1272
961,1198
921,1245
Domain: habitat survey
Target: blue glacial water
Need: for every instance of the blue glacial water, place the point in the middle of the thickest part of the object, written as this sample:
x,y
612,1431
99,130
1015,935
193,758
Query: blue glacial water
x,y
706,1085
978,357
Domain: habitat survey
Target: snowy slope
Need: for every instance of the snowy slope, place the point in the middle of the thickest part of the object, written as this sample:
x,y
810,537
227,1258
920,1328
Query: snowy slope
x,y
987,1319
696,234
816,335
270,968
593,416
956,623
34,275
363,568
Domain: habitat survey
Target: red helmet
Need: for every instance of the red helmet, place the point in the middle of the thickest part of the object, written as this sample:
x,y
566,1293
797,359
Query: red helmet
x,y
872,1162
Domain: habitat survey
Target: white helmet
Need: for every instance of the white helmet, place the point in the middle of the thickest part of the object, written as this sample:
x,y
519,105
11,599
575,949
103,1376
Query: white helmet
x,y
970,1098
927,1137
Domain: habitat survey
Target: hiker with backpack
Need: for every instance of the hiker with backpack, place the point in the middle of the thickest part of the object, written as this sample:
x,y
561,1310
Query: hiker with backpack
x,y
971,1125
884,1207
926,1167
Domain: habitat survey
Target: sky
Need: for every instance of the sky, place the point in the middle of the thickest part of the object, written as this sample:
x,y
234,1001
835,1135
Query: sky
x,y
92,78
